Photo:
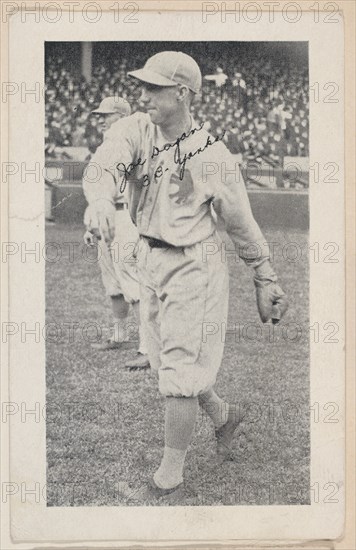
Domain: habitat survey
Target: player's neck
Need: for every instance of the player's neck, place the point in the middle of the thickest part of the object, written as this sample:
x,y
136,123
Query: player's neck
x,y
176,126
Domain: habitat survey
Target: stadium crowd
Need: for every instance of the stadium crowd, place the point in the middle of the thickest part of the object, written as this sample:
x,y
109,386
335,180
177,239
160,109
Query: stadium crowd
x,y
261,103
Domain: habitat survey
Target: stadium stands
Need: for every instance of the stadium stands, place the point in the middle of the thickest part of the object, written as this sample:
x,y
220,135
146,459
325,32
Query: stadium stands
x,y
263,105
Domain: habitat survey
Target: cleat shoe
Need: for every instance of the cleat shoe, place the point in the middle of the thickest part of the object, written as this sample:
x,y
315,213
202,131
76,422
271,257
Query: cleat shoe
x,y
225,434
140,362
172,495
107,345
158,492
151,493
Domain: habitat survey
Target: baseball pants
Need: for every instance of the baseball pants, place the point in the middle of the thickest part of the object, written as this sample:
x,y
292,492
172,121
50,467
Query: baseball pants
x,y
117,263
184,306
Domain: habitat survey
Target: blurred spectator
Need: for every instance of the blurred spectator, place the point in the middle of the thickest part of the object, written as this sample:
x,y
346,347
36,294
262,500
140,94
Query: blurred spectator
x,y
78,136
93,134
219,79
238,86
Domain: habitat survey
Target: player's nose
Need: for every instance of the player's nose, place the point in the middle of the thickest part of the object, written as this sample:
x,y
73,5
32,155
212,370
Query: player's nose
x,y
144,95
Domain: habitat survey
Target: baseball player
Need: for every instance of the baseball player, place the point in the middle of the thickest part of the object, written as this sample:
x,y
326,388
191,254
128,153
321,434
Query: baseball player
x,y
175,172
118,266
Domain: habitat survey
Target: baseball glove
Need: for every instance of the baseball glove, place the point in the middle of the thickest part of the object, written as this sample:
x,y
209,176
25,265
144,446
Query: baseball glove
x,y
272,301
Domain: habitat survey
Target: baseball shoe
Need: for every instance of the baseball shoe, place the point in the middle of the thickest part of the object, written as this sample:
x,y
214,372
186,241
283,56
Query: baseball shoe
x,y
108,345
157,492
151,493
225,434
140,362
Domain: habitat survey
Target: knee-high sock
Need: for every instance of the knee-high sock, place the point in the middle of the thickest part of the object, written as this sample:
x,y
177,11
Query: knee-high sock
x,y
215,407
180,418
142,347
120,309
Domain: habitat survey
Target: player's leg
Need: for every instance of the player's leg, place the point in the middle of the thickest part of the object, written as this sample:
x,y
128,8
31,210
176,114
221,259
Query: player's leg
x,y
142,342
180,413
215,407
119,305
194,295
141,360
194,313
149,309
226,420
125,265
120,309
180,418
224,416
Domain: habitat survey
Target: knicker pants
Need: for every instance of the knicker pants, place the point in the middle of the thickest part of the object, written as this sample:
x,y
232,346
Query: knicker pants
x,y
184,306
117,263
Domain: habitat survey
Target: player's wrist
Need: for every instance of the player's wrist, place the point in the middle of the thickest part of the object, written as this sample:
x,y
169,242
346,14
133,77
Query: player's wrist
x,y
264,273
105,199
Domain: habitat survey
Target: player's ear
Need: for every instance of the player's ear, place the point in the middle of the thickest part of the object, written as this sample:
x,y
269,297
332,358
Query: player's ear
x,y
182,92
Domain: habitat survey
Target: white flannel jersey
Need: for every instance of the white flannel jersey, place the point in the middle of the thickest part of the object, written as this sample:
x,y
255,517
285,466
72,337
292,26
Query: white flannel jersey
x,y
172,186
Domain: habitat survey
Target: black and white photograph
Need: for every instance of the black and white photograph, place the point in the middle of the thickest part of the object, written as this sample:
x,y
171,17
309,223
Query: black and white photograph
x,y
172,386
174,256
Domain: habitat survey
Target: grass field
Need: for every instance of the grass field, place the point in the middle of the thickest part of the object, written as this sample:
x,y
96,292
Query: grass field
x,y
105,424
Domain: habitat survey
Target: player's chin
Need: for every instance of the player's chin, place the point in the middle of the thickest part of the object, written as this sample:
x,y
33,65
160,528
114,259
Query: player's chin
x,y
153,115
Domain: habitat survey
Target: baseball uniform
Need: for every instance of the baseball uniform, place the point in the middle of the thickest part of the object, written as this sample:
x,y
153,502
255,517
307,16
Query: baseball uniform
x,y
184,280
117,262
174,186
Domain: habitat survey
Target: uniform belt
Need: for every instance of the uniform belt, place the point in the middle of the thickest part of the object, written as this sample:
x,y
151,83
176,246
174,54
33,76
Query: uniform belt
x,y
157,243
121,205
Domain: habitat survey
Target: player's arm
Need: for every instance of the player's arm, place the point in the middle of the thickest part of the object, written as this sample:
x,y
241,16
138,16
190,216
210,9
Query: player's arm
x,y
92,233
102,181
99,191
117,149
232,205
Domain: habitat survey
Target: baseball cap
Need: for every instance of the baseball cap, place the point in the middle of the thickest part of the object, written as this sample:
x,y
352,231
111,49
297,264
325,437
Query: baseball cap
x,y
170,69
114,104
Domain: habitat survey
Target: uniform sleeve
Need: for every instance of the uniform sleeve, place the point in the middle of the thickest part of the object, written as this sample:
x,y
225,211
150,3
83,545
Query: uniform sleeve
x,y
102,177
97,182
232,206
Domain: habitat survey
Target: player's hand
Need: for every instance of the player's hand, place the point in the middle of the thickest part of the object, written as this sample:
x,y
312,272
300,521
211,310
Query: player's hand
x,y
88,238
272,302
91,237
105,214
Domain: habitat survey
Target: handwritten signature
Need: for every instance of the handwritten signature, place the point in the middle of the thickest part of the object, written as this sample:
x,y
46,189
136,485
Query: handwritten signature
x,y
128,169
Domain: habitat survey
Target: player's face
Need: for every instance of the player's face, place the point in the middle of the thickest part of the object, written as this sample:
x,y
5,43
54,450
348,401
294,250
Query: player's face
x,y
160,102
108,120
